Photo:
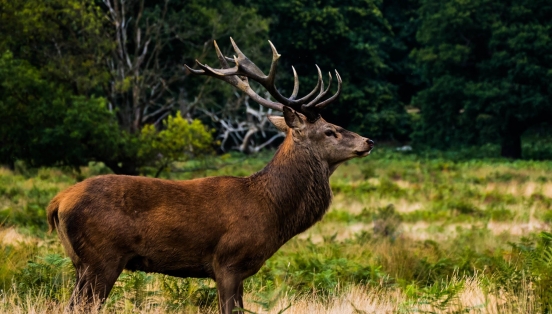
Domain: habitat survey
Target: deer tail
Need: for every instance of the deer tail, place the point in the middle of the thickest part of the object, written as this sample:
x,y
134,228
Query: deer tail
x,y
52,213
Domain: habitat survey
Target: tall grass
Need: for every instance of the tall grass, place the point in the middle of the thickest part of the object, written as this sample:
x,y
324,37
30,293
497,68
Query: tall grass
x,y
404,234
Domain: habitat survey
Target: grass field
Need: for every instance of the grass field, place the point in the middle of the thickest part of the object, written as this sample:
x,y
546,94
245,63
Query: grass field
x,y
405,233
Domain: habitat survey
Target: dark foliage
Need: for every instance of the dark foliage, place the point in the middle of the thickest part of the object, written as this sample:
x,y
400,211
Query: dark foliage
x,y
487,67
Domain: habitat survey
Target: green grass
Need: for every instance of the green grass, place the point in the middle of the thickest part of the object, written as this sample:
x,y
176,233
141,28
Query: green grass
x,y
405,232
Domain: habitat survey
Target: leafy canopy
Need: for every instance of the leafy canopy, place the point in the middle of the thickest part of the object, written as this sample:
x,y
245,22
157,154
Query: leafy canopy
x,y
488,70
350,36
43,123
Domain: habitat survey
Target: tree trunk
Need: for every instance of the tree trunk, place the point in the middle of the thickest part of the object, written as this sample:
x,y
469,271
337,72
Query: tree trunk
x,y
511,146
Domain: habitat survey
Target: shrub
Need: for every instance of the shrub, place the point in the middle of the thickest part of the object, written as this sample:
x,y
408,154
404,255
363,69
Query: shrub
x,y
180,140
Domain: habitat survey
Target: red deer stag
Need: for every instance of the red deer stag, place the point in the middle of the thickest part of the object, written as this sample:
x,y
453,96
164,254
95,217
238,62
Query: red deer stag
x,y
223,228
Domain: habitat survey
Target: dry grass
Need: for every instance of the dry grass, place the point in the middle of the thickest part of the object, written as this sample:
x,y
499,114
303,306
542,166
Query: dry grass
x,y
472,298
10,236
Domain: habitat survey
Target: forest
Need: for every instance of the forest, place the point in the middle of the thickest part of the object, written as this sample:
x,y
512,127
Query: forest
x,y
450,213
96,81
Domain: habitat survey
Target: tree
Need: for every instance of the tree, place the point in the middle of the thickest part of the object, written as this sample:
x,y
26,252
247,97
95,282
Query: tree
x,y
111,68
50,69
152,41
349,36
487,69
402,16
248,134
44,124
63,39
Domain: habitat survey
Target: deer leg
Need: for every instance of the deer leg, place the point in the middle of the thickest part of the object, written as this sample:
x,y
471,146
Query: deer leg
x,y
81,295
93,285
74,295
240,295
228,287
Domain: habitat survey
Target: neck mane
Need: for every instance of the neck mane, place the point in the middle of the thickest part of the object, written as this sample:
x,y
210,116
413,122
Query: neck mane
x,y
296,185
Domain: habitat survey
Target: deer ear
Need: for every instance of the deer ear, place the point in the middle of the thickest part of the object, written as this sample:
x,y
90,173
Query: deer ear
x,y
292,118
279,123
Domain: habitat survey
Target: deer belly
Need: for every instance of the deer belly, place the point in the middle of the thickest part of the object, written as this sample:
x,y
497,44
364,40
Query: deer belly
x,y
178,269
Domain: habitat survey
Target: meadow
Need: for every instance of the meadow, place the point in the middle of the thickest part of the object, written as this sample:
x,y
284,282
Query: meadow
x,y
406,233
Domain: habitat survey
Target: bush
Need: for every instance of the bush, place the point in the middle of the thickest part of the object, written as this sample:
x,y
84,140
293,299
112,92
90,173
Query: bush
x,y
180,140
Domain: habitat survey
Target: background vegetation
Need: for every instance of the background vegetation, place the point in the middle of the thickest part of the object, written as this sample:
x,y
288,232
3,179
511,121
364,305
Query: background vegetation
x,y
81,79
443,223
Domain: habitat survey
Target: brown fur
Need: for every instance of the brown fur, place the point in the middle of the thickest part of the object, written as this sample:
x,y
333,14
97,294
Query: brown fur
x,y
223,228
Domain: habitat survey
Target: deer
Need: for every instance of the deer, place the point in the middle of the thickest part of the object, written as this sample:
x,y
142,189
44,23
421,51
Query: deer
x,y
223,228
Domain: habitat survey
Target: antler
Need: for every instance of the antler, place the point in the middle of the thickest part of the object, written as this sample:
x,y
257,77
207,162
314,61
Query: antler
x,y
238,76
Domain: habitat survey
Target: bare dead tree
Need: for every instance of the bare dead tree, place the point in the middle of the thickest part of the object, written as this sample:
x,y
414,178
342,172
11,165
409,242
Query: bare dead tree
x,y
260,132
144,86
140,85
247,131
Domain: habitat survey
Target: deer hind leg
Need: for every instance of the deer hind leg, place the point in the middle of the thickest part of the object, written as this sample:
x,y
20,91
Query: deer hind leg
x,y
240,295
230,290
94,282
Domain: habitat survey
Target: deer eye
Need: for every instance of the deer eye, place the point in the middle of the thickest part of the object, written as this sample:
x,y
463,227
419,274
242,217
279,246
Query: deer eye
x,y
330,133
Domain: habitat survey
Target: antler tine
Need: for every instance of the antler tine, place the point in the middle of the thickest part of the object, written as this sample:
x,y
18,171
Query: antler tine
x,y
321,94
295,85
220,56
194,71
219,73
268,81
316,89
334,97
273,66
236,49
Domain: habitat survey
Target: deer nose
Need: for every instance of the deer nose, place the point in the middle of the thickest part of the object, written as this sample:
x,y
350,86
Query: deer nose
x,y
369,141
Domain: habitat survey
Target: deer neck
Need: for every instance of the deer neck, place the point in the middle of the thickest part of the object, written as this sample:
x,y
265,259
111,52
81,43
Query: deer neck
x,y
296,185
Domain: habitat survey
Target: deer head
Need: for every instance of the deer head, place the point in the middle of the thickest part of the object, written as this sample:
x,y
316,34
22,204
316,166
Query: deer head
x,y
301,119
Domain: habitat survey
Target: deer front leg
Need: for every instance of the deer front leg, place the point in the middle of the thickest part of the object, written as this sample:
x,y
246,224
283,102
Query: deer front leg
x,y
230,290
240,295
